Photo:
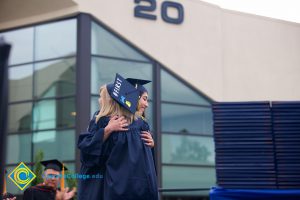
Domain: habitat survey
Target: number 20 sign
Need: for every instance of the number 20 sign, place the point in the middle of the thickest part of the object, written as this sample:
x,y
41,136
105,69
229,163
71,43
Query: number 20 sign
x,y
146,11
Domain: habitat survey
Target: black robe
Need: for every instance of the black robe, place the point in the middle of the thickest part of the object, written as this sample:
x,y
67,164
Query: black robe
x,y
92,161
130,173
125,162
39,192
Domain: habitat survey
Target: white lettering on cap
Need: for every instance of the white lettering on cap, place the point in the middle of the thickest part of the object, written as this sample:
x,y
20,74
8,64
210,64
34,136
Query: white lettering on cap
x,y
117,87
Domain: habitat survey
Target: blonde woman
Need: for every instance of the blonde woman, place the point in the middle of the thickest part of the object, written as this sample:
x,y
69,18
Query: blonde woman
x,y
90,144
127,163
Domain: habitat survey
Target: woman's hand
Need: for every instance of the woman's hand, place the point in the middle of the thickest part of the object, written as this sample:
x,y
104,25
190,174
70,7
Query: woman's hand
x,y
115,124
147,137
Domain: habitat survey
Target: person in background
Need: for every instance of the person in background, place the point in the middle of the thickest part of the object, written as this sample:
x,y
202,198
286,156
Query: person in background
x,y
48,190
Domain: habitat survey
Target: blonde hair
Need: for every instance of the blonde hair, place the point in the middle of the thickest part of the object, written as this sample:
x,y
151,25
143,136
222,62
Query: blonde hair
x,y
110,107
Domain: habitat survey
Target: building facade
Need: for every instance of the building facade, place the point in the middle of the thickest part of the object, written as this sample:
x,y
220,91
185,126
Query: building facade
x,y
195,53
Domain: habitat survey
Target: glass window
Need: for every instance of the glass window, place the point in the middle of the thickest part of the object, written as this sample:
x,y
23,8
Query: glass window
x,y
188,177
18,148
20,83
105,43
20,117
177,149
48,114
149,115
175,91
55,78
22,45
56,39
55,144
186,119
94,105
104,71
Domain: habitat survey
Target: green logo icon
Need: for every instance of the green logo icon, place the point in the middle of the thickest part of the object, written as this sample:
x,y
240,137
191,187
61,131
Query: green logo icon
x,y
21,176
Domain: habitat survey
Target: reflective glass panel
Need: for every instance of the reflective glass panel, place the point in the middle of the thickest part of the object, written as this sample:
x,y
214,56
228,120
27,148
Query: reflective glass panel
x,y
55,144
104,71
20,117
22,45
177,149
188,177
20,83
186,119
55,78
105,43
18,148
149,115
56,39
48,114
94,105
173,90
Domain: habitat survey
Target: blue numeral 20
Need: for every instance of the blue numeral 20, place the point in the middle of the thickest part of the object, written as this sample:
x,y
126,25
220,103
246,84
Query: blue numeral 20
x,y
144,11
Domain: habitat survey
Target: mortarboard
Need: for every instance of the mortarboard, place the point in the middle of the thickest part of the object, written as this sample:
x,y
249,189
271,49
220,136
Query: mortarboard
x,y
124,93
138,84
53,164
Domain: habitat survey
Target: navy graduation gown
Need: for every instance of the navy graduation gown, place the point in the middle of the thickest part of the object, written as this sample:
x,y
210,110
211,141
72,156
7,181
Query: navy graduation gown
x,y
129,168
146,127
92,161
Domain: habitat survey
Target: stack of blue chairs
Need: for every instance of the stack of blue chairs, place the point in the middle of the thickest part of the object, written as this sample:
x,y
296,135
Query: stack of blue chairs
x,y
244,145
286,128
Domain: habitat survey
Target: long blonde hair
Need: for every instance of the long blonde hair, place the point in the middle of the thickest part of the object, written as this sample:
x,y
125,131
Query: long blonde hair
x,y
110,107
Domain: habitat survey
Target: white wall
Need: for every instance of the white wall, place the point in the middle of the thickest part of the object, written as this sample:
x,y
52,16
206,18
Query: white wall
x,y
225,54
261,58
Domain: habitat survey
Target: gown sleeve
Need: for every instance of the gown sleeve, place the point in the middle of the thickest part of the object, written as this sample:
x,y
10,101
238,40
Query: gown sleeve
x,y
28,194
91,141
146,127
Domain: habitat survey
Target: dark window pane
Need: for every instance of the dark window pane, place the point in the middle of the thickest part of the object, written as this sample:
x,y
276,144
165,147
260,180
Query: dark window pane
x,y
18,148
56,39
55,144
22,45
149,115
104,71
48,114
20,117
177,149
104,43
175,91
20,83
188,177
55,78
186,119
94,105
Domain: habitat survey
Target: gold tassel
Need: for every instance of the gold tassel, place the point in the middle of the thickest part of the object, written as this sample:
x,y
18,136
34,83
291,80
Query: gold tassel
x,y
4,184
62,180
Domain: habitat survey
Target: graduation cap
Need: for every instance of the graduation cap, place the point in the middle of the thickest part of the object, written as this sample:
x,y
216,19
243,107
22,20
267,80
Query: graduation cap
x,y
124,93
138,84
53,164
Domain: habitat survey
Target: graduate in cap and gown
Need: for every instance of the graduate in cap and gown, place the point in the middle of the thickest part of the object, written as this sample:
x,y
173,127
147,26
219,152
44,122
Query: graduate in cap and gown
x,y
48,190
130,172
141,111
127,172
92,158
